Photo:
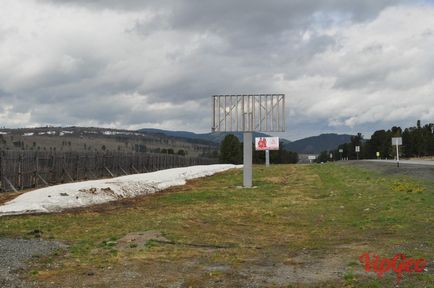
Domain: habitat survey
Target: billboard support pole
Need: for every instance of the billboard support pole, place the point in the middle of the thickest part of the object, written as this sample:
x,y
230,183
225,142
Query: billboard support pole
x,y
397,156
397,141
247,159
267,158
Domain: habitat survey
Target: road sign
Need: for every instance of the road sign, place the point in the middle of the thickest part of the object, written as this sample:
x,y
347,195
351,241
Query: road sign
x,y
397,141
340,152
266,143
357,151
247,114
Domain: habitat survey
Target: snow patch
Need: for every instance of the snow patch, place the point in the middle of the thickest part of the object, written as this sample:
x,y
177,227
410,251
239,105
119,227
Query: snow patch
x,y
59,197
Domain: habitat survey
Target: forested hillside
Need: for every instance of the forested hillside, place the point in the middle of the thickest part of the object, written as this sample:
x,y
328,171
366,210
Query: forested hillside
x,y
417,141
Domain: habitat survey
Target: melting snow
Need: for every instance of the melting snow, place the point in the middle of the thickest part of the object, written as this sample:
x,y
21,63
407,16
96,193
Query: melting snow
x,y
59,197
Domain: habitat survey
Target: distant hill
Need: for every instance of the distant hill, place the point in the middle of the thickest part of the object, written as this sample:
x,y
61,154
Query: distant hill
x,y
313,145
85,139
213,137
316,144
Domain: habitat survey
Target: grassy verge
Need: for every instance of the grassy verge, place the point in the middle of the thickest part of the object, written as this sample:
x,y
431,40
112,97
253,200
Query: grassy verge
x,y
311,218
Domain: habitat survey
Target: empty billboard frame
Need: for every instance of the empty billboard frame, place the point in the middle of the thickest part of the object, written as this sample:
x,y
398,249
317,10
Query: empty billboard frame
x,y
249,113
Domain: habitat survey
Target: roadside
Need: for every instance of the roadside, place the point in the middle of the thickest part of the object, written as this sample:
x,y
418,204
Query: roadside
x,y
425,172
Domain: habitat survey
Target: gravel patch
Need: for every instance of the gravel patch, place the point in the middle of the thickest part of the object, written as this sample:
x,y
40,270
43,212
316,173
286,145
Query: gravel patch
x,y
15,253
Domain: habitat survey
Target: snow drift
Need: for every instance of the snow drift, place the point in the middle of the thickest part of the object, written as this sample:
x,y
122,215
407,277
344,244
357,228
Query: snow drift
x,y
59,197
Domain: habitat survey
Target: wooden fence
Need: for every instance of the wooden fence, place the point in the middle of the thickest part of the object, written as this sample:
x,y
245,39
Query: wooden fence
x,y
30,169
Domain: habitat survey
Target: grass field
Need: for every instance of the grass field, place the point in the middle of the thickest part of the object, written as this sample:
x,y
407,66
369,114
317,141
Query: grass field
x,y
302,226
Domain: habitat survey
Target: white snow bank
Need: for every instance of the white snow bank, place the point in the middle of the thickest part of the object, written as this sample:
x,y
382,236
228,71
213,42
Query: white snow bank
x,y
59,197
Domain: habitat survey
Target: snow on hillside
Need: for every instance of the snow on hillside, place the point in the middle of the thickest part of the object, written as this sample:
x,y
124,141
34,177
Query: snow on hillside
x,y
59,197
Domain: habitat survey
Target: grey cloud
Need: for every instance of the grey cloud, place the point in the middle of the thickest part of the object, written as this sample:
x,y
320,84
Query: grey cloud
x,y
179,51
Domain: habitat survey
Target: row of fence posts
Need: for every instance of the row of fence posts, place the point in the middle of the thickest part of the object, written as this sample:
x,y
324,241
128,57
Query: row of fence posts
x,y
21,170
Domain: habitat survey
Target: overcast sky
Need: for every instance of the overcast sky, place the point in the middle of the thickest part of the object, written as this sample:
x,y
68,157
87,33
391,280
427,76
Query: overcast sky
x,y
345,66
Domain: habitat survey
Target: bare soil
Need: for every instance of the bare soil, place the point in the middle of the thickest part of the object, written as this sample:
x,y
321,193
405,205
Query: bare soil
x,y
308,268
8,196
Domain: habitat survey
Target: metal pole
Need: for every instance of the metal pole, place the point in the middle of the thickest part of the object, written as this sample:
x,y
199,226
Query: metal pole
x,y
272,112
230,111
278,114
266,114
253,113
397,156
247,159
236,111
225,113
283,114
267,158
219,125
260,112
213,115
243,116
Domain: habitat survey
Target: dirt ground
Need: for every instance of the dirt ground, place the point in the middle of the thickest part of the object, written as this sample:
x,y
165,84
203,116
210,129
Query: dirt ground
x,y
307,268
416,171
7,196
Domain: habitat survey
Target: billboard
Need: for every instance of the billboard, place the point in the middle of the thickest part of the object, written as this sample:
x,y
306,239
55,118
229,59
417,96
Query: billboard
x,y
267,143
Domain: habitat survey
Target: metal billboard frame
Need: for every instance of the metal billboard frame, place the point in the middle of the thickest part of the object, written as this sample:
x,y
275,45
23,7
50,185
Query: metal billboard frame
x,y
248,113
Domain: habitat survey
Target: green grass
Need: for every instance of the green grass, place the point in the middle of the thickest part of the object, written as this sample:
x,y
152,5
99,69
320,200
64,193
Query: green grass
x,y
315,208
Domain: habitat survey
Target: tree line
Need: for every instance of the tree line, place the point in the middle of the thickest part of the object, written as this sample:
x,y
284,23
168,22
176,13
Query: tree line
x,y
231,151
417,141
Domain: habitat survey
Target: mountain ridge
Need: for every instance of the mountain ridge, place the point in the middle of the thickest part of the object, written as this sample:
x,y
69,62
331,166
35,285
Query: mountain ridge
x,y
319,143
308,145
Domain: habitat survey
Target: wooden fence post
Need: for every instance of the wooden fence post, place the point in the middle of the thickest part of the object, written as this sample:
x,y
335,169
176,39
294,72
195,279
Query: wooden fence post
x,y
53,170
36,172
20,172
77,173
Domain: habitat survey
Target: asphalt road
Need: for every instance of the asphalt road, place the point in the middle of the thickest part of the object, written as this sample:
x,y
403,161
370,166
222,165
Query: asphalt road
x,y
405,162
408,168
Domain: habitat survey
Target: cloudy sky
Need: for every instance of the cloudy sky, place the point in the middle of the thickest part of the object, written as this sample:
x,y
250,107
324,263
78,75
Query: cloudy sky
x,y
345,66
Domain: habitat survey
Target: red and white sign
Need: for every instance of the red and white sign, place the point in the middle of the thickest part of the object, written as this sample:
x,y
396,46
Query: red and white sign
x,y
267,143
